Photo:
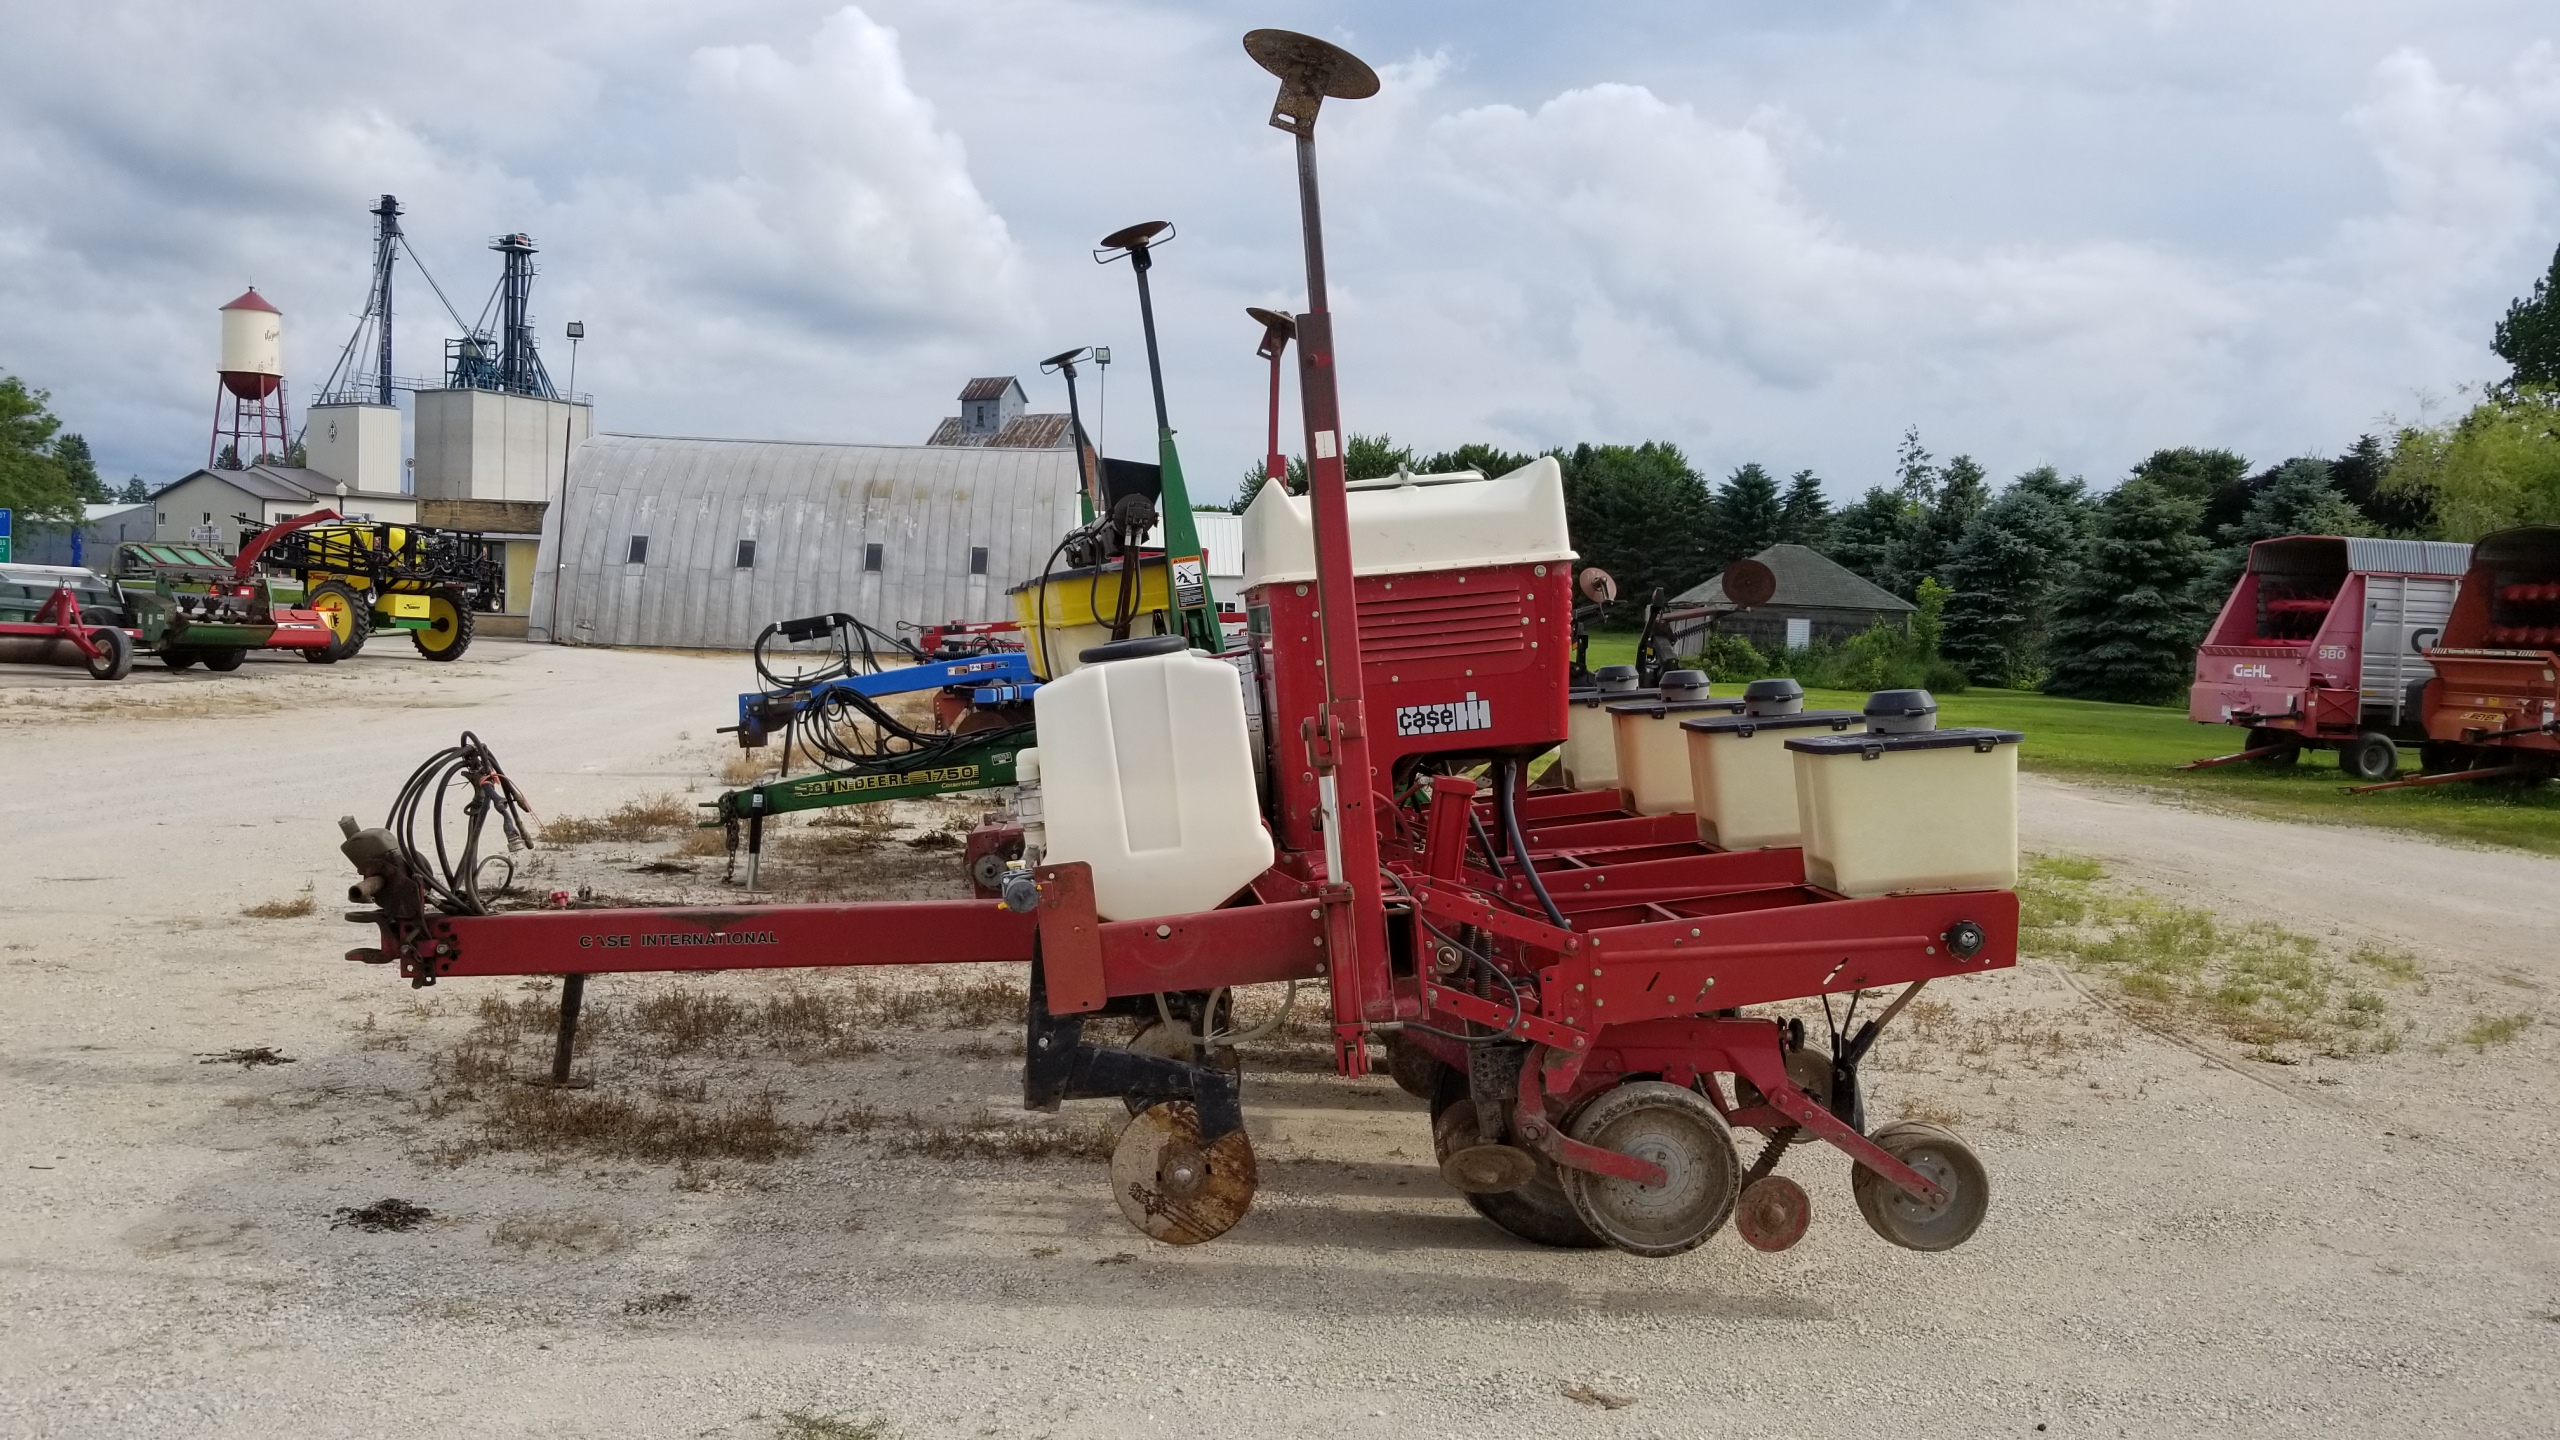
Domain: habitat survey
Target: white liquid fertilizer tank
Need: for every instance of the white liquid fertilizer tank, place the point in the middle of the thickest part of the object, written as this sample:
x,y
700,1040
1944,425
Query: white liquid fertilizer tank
x,y
1146,774
252,347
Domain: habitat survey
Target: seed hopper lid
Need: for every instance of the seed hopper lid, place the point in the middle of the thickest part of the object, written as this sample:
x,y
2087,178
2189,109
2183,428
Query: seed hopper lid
x,y
1778,696
1898,712
1875,744
1659,708
1745,725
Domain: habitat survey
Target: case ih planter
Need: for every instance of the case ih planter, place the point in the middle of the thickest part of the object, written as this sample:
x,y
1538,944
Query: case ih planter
x,y
2322,646
1568,985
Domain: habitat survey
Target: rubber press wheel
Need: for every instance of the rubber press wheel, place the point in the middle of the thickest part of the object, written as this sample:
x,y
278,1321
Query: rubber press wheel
x,y
349,616
1537,1212
1676,1129
448,631
1949,1163
114,659
223,659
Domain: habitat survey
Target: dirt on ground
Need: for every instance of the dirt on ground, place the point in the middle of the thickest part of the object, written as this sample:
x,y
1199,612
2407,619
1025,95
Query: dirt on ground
x,y
2299,1185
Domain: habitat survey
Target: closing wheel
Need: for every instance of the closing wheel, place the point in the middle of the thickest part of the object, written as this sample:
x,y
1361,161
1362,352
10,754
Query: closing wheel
x,y
1809,1066
1676,1129
223,659
448,631
1772,1213
1172,1186
349,617
2370,756
179,657
114,659
1537,1211
1949,1164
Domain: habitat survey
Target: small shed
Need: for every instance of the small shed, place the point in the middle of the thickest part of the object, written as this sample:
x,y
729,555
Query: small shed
x,y
1817,599
699,544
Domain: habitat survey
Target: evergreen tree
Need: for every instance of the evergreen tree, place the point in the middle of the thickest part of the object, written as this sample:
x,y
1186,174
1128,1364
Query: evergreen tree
x,y
80,468
2216,479
1640,513
2298,499
1867,535
2360,474
2529,338
1804,514
2126,627
135,491
1747,514
1490,460
2002,575
1915,475
1959,495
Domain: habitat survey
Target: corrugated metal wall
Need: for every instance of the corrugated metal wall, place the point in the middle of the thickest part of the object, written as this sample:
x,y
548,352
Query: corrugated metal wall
x,y
810,509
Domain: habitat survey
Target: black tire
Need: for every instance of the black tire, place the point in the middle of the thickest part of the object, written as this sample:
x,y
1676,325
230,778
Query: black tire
x,y
2443,757
449,626
180,657
114,659
1537,1212
348,613
2262,737
223,659
2370,757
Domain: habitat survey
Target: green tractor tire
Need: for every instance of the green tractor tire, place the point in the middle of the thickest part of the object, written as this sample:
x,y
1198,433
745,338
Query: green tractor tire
x,y
349,615
449,626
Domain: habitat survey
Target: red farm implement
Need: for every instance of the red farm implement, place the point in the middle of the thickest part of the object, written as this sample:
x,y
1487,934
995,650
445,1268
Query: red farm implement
x,y
1570,986
50,615
2323,645
2493,712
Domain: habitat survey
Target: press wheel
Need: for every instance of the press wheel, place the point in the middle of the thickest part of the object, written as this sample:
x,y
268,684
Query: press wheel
x,y
1538,1211
1772,1213
1174,1187
1676,1129
1949,1163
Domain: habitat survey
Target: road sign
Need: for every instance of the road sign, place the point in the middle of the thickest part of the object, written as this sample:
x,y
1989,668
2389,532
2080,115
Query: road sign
x,y
7,552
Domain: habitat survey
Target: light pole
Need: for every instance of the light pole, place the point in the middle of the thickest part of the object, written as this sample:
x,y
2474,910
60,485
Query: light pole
x,y
568,432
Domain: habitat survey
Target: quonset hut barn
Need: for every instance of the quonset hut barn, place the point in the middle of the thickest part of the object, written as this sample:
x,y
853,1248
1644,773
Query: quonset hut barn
x,y
699,544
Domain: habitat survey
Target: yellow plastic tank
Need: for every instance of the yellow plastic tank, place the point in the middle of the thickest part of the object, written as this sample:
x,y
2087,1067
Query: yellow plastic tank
x,y
1590,760
1653,753
1742,778
1905,806
1067,613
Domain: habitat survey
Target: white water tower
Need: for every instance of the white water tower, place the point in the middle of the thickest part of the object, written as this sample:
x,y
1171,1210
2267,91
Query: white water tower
x,y
251,386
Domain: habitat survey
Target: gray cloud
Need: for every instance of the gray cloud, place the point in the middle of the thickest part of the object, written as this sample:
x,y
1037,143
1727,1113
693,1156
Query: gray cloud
x,y
2041,233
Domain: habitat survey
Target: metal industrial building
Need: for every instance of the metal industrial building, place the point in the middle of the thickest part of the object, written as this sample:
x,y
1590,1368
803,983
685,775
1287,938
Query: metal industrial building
x,y
699,544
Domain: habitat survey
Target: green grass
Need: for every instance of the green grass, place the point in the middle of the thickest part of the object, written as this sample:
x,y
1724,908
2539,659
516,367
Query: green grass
x,y
2142,745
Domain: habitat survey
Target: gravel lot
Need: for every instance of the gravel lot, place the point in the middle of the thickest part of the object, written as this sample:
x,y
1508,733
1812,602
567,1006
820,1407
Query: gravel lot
x,y
2183,1241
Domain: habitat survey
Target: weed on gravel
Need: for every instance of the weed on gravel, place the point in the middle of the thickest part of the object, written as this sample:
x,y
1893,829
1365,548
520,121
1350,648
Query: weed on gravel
x,y
2277,991
985,1135
799,1425
2491,1030
649,818
291,908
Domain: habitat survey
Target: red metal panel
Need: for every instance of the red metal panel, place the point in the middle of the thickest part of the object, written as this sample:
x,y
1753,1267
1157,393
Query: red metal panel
x,y
1699,874
1715,962
1585,835
1540,806
1244,945
1070,940
768,937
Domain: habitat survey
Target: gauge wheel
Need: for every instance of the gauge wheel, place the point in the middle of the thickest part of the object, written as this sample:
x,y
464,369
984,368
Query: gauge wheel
x,y
1950,1164
1537,1212
179,657
349,617
448,631
223,659
1173,1185
1676,1129
114,659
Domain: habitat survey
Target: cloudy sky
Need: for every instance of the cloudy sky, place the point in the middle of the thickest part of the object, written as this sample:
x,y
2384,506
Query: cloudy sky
x,y
2041,232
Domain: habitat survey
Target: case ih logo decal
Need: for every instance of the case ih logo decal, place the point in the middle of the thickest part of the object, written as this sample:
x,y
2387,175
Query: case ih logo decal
x,y
2250,672
1447,718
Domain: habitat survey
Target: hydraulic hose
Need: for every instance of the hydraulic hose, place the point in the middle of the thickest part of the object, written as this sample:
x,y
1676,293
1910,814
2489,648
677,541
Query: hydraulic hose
x,y
1506,786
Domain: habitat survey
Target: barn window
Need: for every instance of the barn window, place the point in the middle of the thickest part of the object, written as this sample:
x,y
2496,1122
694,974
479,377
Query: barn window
x,y
977,559
871,559
639,551
746,554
